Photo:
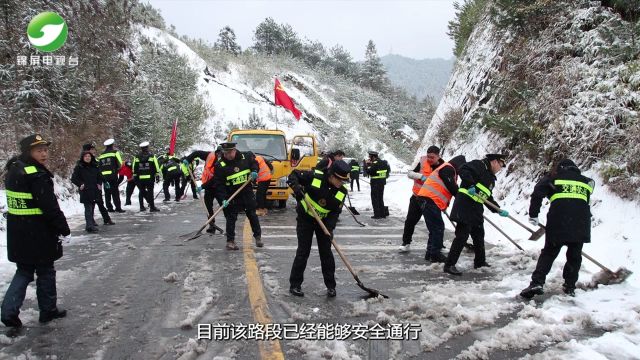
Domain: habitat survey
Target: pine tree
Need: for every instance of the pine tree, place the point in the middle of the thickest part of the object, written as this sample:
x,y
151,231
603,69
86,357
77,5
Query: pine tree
x,y
341,62
291,44
268,37
314,53
373,74
227,41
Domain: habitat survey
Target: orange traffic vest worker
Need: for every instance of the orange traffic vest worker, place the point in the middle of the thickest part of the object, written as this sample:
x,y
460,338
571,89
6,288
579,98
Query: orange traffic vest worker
x,y
264,178
422,170
212,157
436,193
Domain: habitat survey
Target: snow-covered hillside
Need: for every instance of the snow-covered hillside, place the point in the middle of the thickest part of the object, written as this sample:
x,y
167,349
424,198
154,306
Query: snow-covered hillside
x,y
232,97
615,239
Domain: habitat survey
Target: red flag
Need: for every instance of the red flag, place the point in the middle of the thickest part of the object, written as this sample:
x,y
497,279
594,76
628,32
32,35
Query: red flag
x,y
285,101
174,136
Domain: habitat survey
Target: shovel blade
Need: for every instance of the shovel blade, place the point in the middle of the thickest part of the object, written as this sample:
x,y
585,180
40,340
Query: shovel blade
x,y
372,292
190,236
353,210
537,234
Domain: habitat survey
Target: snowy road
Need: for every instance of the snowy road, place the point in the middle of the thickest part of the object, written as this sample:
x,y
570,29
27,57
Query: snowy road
x,y
135,291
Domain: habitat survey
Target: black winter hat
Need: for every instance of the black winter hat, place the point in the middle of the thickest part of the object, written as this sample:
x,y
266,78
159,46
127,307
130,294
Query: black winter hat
x,y
340,169
30,141
457,162
566,163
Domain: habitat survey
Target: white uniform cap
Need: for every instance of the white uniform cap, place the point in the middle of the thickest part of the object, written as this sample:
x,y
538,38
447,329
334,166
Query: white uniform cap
x,y
144,144
109,142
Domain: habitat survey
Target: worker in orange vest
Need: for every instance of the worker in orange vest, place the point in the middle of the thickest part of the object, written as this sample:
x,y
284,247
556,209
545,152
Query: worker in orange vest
x,y
264,178
436,193
207,176
422,170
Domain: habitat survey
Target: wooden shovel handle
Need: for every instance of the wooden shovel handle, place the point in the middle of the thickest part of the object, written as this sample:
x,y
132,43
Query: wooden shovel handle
x,y
220,208
495,207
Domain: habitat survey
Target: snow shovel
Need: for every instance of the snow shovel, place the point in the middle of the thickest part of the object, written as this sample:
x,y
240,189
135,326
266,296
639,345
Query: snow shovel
x,y
351,208
502,232
353,215
608,277
372,292
197,234
202,199
535,234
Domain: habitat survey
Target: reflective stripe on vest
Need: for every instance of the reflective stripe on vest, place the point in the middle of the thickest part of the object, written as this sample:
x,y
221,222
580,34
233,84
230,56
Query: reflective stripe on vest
x,y
172,168
435,189
380,174
322,212
480,197
30,170
240,177
144,177
355,168
425,169
318,172
264,174
571,189
18,205
107,172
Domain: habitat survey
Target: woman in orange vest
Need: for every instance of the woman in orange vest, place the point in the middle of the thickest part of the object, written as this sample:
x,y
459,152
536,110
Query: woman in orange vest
x,y
419,174
264,178
436,191
207,177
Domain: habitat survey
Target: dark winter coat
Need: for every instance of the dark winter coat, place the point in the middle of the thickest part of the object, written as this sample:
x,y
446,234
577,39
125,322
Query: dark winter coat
x,y
145,167
568,220
326,195
354,173
87,174
374,167
465,209
224,187
33,239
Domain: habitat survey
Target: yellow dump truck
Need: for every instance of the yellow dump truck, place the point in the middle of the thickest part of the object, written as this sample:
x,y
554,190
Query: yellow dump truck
x,y
302,154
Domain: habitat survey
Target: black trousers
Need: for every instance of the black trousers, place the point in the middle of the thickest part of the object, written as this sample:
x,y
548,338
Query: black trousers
x,y
261,194
463,231
305,228
112,193
377,198
131,185
571,268
183,187
357,180
172,180
103,210
231,215
146,189
88,215
413,217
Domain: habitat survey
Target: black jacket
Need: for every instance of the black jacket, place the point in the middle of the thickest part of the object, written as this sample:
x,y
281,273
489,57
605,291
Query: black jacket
x,y
326,195
354,173
568,220
145,167
33,239
90,176
373,169
465,209
224,168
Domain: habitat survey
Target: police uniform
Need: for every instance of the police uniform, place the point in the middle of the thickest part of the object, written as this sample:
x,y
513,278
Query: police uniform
x,y
34,223
355,173
186,178
327,200
378,171
171,174
145,169
228,177
467,210
568,223
110,162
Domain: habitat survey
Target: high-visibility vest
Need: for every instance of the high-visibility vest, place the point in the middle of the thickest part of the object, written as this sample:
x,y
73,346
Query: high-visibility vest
x,y
264,173
320,210
21,203
209,169
483,194
144,170
435,189
238,177
425,169
107,165
571,189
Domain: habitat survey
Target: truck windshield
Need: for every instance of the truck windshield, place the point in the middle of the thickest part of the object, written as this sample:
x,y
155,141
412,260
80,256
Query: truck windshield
x,y
271,145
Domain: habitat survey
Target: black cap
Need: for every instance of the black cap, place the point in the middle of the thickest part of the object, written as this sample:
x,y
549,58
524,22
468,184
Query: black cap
x,y
340,169
433,150
373,153
457,162
219,149
88,146
228,146
339,153
501,157
33,140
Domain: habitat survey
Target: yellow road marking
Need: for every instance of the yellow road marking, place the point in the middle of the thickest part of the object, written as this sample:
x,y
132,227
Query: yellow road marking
x,y
269,349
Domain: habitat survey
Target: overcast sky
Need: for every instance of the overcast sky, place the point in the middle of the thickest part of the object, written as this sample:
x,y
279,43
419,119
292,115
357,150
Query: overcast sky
x,y
413,28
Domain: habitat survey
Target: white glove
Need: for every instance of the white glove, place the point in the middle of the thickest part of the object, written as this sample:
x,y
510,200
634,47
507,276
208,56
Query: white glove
x,y
534,221
66,239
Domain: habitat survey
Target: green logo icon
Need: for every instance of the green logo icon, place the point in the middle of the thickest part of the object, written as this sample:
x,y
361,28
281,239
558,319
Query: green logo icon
x,y
47,31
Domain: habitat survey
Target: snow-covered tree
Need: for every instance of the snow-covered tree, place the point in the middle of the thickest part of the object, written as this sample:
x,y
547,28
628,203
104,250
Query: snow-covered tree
x,y
227,41
268,37
373,75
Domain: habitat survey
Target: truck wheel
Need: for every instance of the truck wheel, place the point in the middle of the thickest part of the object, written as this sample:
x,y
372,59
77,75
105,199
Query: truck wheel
x,y
282,204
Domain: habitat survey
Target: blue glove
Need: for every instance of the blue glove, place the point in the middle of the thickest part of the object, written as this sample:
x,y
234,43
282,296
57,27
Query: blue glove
x,y
472,190
225,203
185,161
503,213
198,189
254,175
423,178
